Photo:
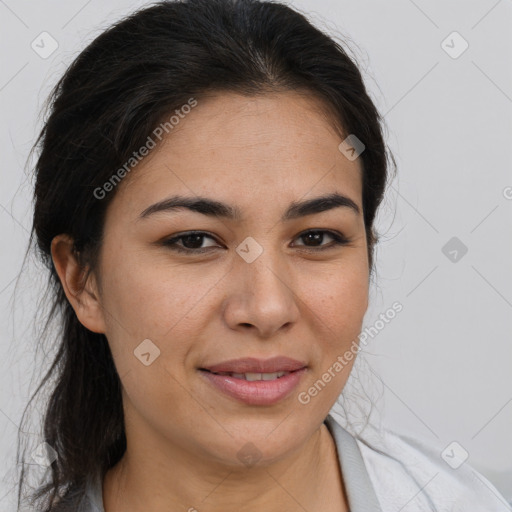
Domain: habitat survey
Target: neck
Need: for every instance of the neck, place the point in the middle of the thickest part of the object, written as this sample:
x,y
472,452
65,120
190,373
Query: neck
x,y
146,478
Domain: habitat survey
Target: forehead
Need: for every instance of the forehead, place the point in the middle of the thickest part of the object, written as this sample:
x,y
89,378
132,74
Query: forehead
x,y
260,147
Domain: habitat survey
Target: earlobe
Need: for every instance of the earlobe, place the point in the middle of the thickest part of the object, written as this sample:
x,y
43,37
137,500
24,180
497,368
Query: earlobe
x,y
80,288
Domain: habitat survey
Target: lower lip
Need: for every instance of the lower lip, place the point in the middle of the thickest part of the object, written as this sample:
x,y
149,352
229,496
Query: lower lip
x,y
260,392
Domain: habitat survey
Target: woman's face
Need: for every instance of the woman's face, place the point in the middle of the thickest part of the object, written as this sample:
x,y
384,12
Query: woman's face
x,y
254,285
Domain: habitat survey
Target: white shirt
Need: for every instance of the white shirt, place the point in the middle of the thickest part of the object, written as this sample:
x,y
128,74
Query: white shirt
x,y
390,473
409,475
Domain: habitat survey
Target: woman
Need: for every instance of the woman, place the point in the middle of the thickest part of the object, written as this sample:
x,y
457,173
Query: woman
x,y
206,189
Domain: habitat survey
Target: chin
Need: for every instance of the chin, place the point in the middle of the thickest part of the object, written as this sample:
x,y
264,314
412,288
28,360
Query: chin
x,y
261,443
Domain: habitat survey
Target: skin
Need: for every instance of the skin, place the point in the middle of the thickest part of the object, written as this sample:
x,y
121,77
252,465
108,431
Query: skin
x,y
259,153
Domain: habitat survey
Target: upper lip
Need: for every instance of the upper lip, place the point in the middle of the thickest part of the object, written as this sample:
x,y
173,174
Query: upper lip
x,y
254,365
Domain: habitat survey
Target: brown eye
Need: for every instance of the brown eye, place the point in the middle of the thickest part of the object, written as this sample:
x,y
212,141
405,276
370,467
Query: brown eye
x,y
313,237
190,242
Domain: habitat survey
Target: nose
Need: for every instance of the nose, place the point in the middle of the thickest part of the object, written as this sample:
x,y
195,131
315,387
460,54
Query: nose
x,y
262,296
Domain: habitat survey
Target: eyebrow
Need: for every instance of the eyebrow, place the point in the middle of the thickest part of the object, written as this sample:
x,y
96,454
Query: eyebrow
x,y
217,209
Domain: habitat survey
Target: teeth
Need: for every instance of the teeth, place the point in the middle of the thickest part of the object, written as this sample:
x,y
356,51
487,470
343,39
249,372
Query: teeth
x,y
256,376
272,376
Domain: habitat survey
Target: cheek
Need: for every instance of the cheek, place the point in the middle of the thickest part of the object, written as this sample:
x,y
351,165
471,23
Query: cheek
x,y
153,311
338,302
338,297
154,300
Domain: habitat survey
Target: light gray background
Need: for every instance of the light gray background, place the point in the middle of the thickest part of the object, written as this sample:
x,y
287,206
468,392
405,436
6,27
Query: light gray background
x,y
445,361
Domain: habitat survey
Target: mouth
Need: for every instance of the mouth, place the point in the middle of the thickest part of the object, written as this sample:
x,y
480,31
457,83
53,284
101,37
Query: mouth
x,y
255,366
251,376
254,388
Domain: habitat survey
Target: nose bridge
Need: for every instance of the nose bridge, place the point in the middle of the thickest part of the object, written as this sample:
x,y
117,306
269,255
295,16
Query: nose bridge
x,y
263,280
262,268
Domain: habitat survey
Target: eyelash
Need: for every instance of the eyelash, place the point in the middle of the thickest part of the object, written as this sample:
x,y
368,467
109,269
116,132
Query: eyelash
x,y
171,243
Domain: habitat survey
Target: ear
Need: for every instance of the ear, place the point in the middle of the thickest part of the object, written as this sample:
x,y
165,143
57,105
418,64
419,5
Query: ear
x,y
83,296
